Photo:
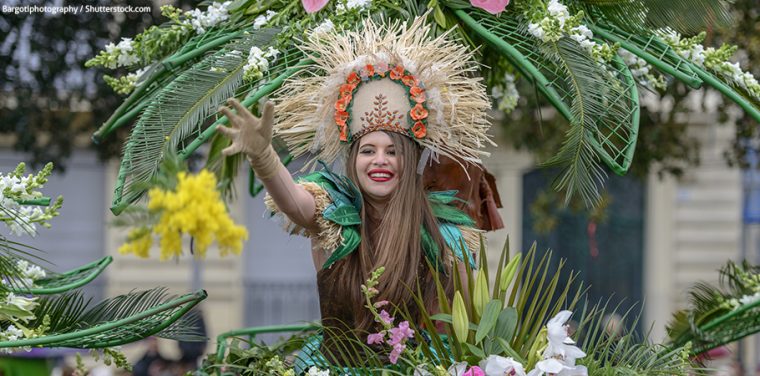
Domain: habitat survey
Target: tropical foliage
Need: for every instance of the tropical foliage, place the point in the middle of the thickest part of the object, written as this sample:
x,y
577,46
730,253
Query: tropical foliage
x,y
720,314
587,58
521,322
42,308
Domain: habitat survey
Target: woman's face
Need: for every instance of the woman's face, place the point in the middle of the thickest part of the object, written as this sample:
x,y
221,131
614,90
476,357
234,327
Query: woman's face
x,y
377,165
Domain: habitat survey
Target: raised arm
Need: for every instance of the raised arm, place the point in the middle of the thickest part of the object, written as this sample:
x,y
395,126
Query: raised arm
x,y
252,136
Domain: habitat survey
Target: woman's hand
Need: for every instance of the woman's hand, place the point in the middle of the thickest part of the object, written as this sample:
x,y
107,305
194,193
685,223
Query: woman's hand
x,y
251,136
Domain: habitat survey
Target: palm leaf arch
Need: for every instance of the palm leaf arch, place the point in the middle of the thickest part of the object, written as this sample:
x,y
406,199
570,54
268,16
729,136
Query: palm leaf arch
x,y
599,101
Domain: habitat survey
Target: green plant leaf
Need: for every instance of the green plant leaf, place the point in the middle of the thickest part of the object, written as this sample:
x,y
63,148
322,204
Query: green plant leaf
x,y
683,16
506,323
477,351
488,320
510,351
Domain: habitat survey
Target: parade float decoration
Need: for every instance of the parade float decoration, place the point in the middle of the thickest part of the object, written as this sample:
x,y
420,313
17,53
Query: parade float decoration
x,y
529,321
42,308
588,59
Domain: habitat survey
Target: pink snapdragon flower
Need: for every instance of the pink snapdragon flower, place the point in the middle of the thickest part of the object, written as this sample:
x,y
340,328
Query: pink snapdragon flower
x,y
400,333
312,6
490,6
396,352
385,317
376,338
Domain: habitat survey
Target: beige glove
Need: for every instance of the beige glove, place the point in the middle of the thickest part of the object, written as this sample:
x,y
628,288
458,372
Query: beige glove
x,y
251,136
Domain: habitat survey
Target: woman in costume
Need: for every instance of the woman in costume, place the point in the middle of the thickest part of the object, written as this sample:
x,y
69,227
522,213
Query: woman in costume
x,y
385,102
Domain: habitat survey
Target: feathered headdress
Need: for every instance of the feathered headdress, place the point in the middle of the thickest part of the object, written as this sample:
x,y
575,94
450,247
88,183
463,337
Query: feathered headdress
x,y
390,77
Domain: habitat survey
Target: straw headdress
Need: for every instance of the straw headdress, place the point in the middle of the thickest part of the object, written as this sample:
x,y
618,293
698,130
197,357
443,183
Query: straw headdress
x,y
392,77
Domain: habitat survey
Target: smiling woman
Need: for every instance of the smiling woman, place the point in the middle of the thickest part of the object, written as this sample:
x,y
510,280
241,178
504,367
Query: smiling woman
x,y
384,107
377,166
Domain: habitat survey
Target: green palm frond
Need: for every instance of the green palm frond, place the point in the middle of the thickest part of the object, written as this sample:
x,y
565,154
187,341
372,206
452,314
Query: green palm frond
x,y
160,74
599,101
652,49
74,322
226,168
729,90
684,16
56,283
11,252
540,297
716,315
604,103
613,347
179,110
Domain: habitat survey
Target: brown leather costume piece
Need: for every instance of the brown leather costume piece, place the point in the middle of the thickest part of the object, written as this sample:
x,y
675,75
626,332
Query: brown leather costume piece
x,y
479,191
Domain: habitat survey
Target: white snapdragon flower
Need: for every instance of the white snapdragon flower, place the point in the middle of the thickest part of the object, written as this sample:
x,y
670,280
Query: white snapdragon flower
x,y
749,299
697,54
12,333
263,19
352,5
15,307
325,27
126,57
583,30
30,271
641,70
558,11
537,31
214,14
258,63
507,96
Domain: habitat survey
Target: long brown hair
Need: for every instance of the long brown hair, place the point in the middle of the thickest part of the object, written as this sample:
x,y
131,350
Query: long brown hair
x,y
394,242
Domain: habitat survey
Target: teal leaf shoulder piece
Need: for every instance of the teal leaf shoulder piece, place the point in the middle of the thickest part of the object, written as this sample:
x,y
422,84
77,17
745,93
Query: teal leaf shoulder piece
x,y
351,239
454,239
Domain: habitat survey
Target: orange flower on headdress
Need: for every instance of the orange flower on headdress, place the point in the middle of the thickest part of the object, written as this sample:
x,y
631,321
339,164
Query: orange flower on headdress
x,y
346,90
397,72
353,78
409,80
418,112
369,69
417,94
344,133
341,117
419,129
342,104
381,69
